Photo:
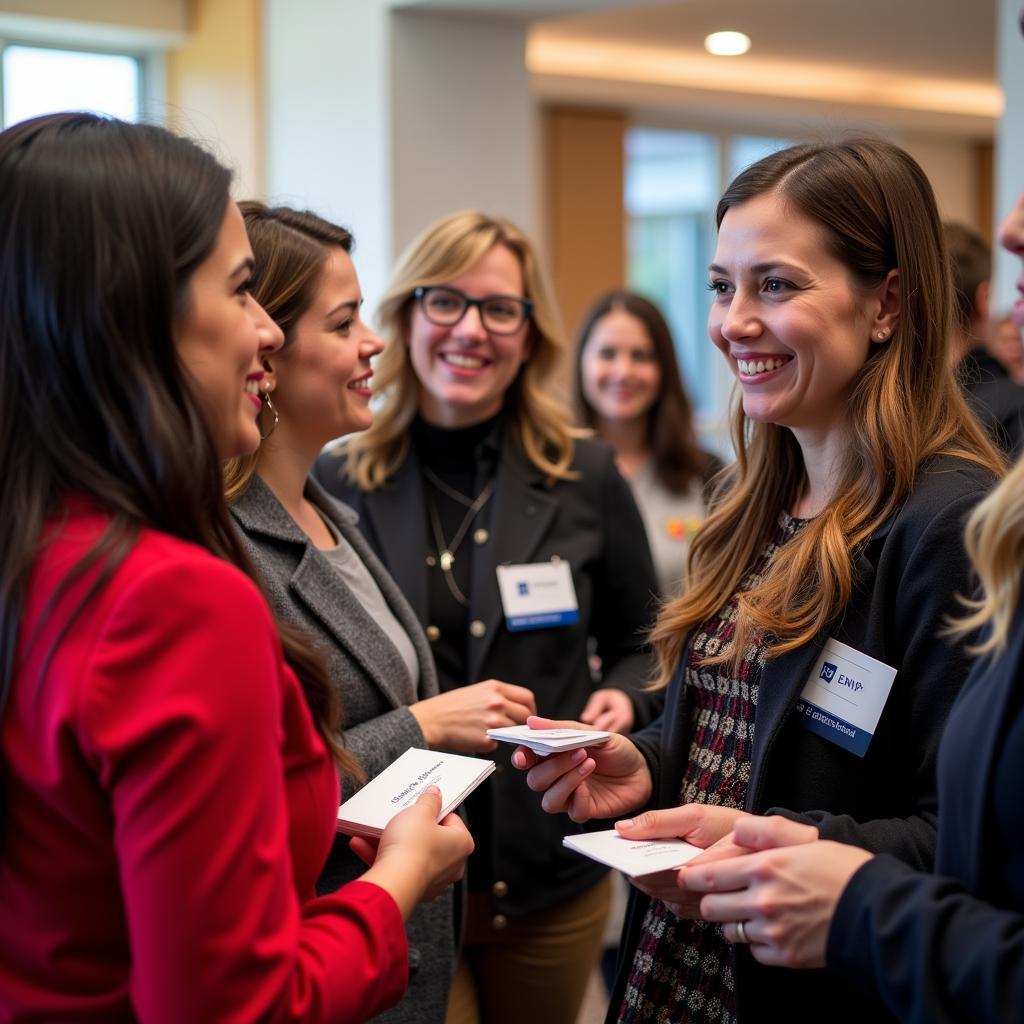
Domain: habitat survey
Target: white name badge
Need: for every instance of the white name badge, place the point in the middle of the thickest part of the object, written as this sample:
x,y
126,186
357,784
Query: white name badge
x,y
843,697
537,595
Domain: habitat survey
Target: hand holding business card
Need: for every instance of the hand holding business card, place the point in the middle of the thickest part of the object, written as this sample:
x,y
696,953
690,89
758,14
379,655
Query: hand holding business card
x,y
368,812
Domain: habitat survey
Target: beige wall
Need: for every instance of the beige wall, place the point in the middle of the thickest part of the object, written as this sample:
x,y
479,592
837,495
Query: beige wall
x,y
586,223
215,87
147,15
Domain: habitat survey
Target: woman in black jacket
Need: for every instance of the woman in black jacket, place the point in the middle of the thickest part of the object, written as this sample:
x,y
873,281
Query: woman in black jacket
x,y
804,667
933,947
481,500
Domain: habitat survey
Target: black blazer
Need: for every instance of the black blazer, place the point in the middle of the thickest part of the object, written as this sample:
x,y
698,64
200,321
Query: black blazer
x,y
995,399
593,523
945,947
906,578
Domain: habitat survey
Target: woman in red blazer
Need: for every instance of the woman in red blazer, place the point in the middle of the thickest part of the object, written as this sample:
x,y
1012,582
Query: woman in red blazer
x,y
169,792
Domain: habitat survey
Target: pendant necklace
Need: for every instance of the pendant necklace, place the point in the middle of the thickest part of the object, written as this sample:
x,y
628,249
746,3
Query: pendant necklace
x,y
446,551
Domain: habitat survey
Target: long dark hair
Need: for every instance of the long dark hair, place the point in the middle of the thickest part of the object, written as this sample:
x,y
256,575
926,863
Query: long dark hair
x,y
102,225
678,458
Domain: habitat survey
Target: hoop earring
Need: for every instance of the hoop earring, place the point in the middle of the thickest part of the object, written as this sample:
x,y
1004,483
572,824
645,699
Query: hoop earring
x,y
273,426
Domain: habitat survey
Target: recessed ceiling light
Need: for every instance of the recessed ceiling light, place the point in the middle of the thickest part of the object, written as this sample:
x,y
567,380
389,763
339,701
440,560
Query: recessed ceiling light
x,y
727,44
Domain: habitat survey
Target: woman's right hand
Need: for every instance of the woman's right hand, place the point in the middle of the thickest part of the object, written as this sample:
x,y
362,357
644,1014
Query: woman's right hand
x,y
593,782
417,857
459,719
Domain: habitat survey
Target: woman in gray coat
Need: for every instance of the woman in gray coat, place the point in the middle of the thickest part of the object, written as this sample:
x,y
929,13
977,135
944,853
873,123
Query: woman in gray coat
x,y
318,571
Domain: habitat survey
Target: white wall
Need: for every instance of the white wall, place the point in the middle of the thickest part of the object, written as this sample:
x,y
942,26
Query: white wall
x,y
328,114
951,166
464,123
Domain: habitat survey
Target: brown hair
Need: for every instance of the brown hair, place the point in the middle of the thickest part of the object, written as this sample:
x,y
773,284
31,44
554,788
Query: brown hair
x,y
677,457
878,213
290,249
970,263
443,251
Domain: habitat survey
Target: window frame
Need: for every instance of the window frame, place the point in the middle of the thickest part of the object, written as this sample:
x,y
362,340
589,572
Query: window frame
x,y
150,65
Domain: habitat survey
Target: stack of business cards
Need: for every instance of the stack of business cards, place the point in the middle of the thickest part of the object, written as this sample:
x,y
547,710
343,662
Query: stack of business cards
x,y
368,812
633,857
549,741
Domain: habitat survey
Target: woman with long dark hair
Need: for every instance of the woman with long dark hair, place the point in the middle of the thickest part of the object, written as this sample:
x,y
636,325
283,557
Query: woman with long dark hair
x,y
169,798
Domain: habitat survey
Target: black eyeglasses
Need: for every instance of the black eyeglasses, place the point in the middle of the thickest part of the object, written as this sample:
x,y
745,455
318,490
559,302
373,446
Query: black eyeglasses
x,y
500,314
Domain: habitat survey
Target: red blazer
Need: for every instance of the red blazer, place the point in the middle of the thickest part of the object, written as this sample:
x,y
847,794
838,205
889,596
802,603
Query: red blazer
x,y
168,805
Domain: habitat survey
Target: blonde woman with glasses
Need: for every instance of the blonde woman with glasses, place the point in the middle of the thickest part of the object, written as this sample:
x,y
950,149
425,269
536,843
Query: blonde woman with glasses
x,y
517,543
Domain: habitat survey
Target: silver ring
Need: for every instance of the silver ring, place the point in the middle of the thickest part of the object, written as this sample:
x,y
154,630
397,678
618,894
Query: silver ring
x,y
741,933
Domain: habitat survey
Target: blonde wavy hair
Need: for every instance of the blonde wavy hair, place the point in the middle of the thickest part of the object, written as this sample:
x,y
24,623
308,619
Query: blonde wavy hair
x,y
442,252
995,542
878,213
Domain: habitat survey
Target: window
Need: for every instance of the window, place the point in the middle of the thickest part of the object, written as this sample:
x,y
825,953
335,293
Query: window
x,y
673,182
40,80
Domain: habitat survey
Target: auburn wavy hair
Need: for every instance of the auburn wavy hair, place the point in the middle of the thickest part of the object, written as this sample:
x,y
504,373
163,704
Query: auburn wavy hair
x,y
877,213
440,253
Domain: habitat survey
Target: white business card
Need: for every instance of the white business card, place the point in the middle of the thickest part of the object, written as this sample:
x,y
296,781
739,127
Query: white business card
x,y
633,857
549,741
368,812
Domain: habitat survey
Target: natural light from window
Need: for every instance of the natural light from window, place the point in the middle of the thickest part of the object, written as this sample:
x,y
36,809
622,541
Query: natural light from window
x,y
40,80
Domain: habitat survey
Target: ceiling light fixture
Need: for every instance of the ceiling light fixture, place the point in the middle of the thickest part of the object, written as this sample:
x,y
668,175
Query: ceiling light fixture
x,y
727,44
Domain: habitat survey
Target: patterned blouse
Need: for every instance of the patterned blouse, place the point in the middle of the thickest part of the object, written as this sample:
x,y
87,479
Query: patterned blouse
x,y
682,969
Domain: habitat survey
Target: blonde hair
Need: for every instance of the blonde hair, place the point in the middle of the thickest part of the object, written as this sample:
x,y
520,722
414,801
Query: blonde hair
x,y
878,213
443,251
995,543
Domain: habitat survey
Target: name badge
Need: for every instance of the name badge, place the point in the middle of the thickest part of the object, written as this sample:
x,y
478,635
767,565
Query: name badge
x,y
538,594
843,697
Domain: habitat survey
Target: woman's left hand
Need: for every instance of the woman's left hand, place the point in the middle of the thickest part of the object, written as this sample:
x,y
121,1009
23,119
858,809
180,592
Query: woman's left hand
x,y
702,825
609,710
784,894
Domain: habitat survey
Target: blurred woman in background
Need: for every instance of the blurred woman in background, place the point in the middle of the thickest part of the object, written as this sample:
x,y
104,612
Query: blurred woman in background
x,y
629,390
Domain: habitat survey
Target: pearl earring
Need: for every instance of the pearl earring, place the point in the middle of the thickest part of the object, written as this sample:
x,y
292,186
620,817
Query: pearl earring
x,y
882,335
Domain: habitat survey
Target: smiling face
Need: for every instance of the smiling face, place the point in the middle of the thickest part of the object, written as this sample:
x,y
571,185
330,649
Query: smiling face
x,y
465,370
619,368
788,316
1011,238
223,336
322,377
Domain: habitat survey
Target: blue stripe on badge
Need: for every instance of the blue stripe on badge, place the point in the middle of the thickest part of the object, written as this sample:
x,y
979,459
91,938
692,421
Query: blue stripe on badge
x,y
832,727
543,619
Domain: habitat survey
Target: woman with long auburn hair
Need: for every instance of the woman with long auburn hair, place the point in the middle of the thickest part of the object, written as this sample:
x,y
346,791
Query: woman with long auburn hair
x,y
932,947
169,790
482,501
804,665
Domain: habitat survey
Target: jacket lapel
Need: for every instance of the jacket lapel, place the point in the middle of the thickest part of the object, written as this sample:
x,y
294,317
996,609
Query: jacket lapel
x,y
521,513
347,524
317,585
783,678
398,521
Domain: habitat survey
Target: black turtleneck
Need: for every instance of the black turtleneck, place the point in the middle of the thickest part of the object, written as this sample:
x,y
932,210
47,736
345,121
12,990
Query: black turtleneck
x,y
464,459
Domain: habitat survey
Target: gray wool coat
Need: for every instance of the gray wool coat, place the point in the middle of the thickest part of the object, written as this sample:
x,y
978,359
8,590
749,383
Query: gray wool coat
x,y
305,590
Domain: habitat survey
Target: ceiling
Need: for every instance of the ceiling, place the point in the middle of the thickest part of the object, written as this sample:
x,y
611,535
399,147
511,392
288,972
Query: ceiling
x,y
953,39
